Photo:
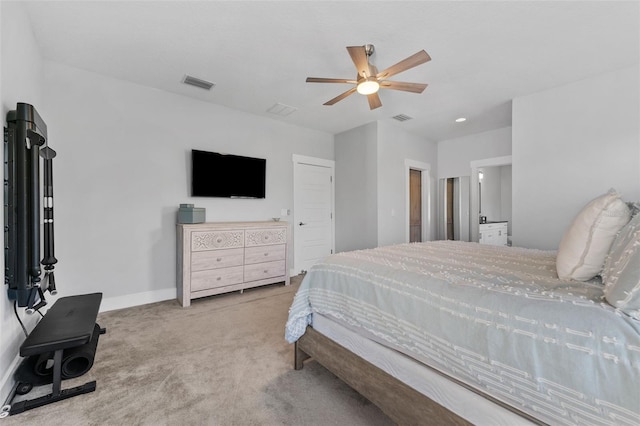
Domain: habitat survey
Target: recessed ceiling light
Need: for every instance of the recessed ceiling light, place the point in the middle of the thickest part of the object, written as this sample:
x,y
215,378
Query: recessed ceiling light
x,y
460,120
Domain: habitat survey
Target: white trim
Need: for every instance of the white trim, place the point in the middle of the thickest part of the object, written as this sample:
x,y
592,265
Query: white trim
x,y
107,304
137,299
320,162
495,161
303,159
474,226
7,380
425,185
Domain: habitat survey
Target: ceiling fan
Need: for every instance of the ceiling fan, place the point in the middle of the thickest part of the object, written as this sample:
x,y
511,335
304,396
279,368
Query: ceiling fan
x,y
369,80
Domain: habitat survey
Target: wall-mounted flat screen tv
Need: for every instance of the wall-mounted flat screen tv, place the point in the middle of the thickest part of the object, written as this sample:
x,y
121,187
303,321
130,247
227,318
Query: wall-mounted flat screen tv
x,y
225,175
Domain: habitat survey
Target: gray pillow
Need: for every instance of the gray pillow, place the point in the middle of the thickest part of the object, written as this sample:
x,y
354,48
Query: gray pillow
x,y
621,272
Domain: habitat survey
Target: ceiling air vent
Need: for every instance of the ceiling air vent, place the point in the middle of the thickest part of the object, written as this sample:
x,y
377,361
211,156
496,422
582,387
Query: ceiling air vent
x,y
281,109
203,84
401,117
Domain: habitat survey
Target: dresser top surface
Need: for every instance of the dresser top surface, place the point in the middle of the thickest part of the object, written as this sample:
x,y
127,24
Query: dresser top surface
x,y
231,225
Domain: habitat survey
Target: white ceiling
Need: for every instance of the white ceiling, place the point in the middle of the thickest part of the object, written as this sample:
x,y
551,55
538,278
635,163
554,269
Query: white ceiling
x,y
259,52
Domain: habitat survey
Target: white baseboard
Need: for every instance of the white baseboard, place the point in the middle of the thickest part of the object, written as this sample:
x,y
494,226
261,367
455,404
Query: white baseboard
x,y
107,304
7,380
136,299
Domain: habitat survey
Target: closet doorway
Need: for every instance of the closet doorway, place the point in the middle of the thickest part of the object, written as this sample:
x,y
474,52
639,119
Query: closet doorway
x,y
415,206
453,206
450,209
417,201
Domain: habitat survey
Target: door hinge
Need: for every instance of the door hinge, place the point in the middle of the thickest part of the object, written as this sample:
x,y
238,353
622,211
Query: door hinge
x,y
330,178
331,215
331,251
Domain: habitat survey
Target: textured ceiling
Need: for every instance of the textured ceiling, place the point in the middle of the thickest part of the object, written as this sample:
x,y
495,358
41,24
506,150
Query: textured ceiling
x,y
259,53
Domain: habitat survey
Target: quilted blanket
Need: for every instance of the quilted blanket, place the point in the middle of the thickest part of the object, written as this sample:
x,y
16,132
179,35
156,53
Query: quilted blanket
x,y
496,318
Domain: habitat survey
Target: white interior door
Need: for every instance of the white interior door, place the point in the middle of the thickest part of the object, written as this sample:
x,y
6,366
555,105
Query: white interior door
x,y
313,229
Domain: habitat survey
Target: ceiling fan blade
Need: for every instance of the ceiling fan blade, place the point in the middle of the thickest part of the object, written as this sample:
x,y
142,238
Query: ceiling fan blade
x,y
400,85
412,61
340,97
329,80
374,101
359,57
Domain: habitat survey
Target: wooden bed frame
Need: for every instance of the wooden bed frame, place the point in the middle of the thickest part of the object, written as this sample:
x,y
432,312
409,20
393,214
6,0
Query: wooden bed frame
x,y
400,402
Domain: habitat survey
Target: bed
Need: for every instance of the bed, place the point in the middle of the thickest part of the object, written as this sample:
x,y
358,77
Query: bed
x,y
460,333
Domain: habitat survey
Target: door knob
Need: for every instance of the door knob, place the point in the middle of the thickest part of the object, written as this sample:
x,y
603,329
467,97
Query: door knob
x,y
302,223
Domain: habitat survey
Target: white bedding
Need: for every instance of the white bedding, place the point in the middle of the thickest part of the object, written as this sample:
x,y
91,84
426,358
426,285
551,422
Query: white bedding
x,y
495,318
465,403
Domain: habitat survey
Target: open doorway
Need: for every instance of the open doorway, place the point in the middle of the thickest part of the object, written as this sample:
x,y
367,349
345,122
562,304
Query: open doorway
x,y
415,206
483,201
418,201
449,210
453,208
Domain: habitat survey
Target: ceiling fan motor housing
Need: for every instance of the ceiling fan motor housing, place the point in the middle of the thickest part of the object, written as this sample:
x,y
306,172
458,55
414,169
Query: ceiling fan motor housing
x,y
369,49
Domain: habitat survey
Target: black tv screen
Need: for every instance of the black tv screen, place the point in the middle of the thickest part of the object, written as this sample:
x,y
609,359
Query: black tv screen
x,y
225,175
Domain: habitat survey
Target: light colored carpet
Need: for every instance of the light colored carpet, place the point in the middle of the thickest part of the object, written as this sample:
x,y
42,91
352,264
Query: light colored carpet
x,y
222,361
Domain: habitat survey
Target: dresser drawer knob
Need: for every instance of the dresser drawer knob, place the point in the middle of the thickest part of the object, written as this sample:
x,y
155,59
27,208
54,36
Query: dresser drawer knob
x,y
218,279
218,259
219,240
266,254
265,271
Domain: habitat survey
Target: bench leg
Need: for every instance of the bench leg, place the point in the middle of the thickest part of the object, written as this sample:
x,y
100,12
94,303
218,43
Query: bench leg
x,y
57,373
57,394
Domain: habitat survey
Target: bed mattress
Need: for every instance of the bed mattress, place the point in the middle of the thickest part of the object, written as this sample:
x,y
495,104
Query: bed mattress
x,y
494,318
460,400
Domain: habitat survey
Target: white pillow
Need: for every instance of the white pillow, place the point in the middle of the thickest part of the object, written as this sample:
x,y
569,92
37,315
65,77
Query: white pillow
x,y
621,273
586,242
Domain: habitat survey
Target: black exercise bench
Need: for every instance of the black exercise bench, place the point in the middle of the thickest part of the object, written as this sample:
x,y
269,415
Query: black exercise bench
x,y
69,323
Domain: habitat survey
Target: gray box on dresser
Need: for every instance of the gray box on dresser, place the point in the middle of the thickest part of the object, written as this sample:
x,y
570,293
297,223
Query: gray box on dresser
x,y
220,257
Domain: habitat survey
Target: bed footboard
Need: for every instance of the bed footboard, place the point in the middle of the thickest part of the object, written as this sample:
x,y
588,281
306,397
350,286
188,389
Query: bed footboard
x,y
403,404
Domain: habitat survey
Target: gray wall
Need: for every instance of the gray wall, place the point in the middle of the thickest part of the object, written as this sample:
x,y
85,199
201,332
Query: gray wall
x,y
122,170
123,167
21,81
395,145
455,155
371,184
506,195
356,197
571,144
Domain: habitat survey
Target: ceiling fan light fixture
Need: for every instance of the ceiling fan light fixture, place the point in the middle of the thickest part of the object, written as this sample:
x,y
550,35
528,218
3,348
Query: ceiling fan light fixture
x,y
368,86
368,80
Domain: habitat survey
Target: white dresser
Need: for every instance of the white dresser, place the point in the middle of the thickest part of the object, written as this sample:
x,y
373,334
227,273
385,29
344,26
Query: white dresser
x,y
220,257
494,233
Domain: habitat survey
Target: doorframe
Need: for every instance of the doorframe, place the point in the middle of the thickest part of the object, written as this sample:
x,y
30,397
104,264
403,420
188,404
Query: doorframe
x,y
425,189
319,162
474,207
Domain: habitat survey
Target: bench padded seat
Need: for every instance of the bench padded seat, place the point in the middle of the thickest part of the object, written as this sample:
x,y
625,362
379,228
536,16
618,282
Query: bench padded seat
x,y
69,323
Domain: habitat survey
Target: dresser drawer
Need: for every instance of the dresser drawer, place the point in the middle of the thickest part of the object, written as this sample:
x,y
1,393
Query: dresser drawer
x,y
213,240
261,271
262,254
492,226
261,237
212,259
204,280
